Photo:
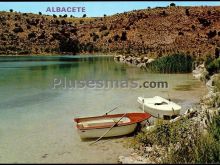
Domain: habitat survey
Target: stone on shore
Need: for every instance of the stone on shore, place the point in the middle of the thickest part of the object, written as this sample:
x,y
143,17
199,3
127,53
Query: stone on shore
x,y
134,158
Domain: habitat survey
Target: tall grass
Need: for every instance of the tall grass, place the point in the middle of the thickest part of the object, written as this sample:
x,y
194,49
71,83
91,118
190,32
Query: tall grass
x,y
176,63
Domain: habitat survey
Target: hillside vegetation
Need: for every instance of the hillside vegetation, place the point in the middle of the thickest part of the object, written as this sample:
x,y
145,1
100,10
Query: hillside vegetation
x,y
150,32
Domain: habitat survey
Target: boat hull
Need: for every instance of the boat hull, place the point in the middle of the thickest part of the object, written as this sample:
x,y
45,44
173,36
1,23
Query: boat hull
x,y
156,112
109,125
115,131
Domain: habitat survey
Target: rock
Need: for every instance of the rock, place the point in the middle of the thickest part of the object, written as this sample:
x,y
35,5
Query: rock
x,y
133,158
150,60
141,65
148,149
117,57
151,127
138,59
200,72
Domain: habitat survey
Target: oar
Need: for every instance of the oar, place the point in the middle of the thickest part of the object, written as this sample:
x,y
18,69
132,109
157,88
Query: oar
x,y
107,131
111,110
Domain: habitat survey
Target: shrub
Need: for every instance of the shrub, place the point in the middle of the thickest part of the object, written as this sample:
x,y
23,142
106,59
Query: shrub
x,y
18,29
40,13
193,27
173,4
116,37
176,63
42,36
127,27
163,13
124,36
63,22
217,53
103,27
106,33
95,37
31,35
11,10
204,22
73,30
69,45
180,33
187,12
211,34
214,66
28,27
81,21
84,15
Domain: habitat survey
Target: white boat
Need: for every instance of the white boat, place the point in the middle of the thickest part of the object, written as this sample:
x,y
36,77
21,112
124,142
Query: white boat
x,y
112,125
159,107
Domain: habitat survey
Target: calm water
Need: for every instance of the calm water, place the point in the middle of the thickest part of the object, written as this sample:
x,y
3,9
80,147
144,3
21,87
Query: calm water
x,y
36,120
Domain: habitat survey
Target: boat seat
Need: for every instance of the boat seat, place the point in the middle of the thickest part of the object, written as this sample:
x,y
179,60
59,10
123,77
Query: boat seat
x,y
96,123
102,122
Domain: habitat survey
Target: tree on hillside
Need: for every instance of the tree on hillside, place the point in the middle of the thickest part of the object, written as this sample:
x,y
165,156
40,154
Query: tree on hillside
x,y
40,13
187,12
124,36
172,4
217,53
11,10
84,15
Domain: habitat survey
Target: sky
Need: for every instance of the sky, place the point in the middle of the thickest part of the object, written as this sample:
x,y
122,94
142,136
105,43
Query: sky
x,y
95,9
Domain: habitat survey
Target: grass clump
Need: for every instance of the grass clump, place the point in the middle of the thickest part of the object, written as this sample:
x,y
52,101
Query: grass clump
x,y
176,63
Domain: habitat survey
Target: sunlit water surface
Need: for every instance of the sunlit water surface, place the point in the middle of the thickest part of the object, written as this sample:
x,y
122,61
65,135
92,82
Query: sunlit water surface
x,y
36,120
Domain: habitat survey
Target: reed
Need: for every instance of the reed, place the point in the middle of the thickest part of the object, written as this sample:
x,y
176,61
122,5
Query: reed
x,y
175,63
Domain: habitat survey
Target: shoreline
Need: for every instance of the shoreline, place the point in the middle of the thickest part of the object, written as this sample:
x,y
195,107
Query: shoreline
x,y
58,55
195,114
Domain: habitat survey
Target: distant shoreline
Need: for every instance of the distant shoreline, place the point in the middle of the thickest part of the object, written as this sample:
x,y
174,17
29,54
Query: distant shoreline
x,y
51,55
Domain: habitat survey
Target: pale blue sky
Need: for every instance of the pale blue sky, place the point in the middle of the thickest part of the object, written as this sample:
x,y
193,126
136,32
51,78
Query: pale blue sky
x,y
94,9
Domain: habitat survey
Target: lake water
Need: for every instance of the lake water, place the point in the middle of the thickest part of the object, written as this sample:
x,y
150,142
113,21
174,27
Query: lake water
x,y
36,120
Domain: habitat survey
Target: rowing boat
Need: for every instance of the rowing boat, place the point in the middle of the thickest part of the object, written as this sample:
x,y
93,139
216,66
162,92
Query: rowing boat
x,y
120,124
159,107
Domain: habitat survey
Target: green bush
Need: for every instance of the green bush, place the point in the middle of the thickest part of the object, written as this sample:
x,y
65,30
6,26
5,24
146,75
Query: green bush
x,y
176,63
213,66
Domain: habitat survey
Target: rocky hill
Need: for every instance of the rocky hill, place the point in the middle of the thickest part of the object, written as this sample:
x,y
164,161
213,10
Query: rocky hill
x,y
149,32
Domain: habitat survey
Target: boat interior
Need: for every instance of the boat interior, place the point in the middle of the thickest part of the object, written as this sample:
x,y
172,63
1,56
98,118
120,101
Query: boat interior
x,y
103,122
